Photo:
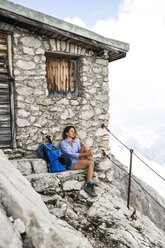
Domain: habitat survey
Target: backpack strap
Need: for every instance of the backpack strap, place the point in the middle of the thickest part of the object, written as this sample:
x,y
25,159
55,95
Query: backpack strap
x,y
39,150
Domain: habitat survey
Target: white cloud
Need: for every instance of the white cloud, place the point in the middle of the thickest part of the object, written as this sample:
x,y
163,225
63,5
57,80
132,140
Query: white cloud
x,y
75,20
137,83
145,139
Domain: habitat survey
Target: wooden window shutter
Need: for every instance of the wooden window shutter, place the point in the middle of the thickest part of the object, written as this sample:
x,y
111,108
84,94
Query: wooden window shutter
x,y
7,122
61,76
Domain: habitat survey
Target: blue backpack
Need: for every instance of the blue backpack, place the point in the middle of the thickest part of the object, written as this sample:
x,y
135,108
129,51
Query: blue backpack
x,y
52,155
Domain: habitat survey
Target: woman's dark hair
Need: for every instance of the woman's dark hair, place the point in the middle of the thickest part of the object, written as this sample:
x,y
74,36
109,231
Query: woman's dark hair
x,y
66,130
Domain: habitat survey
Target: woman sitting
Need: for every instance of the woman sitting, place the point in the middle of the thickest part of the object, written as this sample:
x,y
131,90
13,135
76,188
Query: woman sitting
x,y
81,157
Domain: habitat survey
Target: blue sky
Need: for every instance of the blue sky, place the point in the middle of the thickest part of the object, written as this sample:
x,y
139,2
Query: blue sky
x,y
88,11
137,82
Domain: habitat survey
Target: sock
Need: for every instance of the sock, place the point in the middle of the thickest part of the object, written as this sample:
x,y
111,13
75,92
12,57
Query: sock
x,y
90,182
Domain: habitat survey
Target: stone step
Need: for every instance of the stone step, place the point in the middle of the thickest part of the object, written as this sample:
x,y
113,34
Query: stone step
x,y
30,166
37,166
47,183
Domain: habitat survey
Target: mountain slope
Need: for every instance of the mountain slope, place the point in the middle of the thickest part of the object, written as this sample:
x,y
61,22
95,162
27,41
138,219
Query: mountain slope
x,y
105,221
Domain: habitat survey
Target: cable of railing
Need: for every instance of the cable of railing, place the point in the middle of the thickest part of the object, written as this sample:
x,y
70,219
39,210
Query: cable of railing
x,y
134,181
103,126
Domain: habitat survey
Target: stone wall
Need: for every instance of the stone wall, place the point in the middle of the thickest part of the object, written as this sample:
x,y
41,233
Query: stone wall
x,y
38,114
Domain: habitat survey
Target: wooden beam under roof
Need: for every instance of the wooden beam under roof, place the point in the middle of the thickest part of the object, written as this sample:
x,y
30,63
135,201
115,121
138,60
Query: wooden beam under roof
x,y
52,31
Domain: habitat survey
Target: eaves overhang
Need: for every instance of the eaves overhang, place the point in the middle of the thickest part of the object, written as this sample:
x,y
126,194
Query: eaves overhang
x,y
38,22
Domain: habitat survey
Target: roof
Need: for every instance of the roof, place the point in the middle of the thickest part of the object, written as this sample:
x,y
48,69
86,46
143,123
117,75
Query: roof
x,y
55,28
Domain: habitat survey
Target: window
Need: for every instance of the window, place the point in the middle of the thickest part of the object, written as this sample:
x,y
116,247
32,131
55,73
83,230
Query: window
x,y
61,75
7,120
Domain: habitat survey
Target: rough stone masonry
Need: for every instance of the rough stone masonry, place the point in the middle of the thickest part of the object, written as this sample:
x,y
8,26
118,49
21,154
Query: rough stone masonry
x,y
38,114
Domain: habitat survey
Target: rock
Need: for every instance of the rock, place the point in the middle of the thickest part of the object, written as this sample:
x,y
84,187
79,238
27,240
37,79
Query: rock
x,y
97,69
19,225
86,114
44,183
74,102
30,42
45,102
24,167
63,101
105,164
105,220
102,62
41,122
40,51
22,122
82,134
23,113
105,145
28,50
25,65
9,236
72,185
101,132
102,98
139,198
89,141
39,166
42,229
65,115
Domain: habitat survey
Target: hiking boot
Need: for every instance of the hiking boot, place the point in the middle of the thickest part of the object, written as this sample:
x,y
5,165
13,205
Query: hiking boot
x,y
89,189
97,168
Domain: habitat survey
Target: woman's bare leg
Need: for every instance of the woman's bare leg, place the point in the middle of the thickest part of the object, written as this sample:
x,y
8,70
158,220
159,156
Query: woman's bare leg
x,y
85,164
85,148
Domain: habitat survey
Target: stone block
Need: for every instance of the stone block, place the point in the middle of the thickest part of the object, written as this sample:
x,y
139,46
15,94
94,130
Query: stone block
x,y
22,113
40,51
101,132
97,69
82,134
102,61
28,50
30,42
24,166
105,164
72,185
39,166
45,183
22,122
19,225
25,65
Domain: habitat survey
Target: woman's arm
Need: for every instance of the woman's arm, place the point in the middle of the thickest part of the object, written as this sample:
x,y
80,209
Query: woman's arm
x,y
68,151
84,154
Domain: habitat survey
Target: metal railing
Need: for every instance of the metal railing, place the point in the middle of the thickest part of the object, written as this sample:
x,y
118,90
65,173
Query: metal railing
x,y
130,177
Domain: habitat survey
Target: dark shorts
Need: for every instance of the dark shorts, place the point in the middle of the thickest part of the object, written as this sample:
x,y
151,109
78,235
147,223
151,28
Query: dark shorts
x,y
71,167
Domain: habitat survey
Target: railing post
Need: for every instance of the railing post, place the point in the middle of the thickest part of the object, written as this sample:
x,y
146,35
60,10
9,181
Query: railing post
x,y
129,181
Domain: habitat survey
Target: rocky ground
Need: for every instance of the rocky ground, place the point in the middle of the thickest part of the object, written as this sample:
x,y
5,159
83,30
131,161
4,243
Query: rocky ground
x,y
104,220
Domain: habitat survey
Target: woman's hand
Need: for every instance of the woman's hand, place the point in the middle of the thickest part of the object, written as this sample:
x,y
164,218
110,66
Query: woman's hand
x,y
89,153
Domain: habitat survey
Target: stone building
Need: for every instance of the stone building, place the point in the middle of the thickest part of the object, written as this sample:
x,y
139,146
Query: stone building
x,y
52,73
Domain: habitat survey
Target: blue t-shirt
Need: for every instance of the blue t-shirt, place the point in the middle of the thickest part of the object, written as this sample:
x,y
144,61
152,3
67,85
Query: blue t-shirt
x,y
72,151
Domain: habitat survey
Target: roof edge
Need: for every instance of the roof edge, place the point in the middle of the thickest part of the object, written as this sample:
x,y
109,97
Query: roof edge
x,y
63,25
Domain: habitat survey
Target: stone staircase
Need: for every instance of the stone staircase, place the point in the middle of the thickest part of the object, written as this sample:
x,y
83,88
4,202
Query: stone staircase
x,y
47,184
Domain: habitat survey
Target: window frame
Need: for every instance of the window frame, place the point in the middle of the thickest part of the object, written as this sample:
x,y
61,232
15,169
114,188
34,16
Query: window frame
x,y
66,57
